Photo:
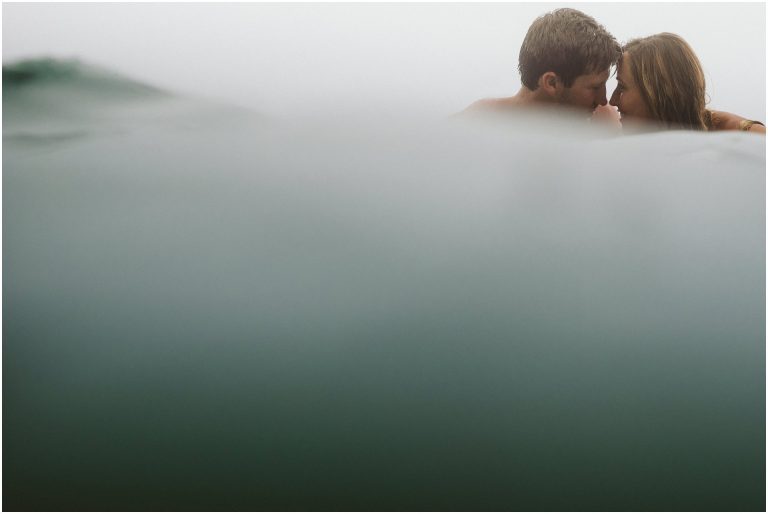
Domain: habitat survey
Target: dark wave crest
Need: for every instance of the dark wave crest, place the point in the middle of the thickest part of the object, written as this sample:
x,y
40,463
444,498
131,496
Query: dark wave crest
x,y
71,73
54,101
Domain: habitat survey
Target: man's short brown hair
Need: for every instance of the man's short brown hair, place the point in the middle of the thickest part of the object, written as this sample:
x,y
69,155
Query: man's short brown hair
x,y
568,43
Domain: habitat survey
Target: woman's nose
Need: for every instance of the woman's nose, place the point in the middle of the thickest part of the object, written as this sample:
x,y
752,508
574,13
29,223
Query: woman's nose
x,y
615,99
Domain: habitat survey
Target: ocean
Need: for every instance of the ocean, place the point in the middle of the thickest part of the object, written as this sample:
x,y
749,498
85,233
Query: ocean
x,y
209,309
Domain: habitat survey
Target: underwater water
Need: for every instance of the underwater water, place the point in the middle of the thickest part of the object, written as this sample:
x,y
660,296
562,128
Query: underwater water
x,y
208,310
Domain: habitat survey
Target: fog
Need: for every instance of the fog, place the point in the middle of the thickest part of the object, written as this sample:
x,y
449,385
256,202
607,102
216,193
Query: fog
x,y
303,59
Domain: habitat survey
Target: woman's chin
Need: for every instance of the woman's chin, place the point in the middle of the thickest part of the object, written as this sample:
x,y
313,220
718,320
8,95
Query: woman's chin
x,y
634,125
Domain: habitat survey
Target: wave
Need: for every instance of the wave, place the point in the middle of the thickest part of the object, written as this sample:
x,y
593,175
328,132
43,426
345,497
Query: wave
x,y
51,100
72,73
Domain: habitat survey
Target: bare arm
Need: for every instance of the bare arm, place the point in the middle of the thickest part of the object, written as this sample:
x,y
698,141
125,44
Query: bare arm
x,y
760,129
728,121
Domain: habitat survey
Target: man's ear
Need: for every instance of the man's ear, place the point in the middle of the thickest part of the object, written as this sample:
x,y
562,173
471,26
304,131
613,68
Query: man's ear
x,y
551,84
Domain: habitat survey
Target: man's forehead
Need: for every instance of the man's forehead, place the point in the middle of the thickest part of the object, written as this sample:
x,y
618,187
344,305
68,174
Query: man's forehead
x,y
597,76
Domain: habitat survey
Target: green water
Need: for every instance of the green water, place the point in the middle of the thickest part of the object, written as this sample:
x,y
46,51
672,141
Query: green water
x,y
226,318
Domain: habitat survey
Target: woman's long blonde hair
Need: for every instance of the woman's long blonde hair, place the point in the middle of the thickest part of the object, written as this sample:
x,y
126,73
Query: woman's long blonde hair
x,y
671,80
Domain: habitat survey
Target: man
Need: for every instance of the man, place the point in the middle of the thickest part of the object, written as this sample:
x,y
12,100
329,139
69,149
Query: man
x,y
565,60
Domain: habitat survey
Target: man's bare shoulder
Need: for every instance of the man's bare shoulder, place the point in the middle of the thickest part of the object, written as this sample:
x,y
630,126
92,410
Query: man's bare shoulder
x,y
490,106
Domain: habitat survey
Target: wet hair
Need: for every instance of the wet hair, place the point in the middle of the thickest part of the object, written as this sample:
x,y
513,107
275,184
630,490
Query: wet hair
x,y
568,43
670,79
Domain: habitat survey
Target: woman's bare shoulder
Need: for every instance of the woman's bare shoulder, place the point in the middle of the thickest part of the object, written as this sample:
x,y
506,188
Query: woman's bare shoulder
x,y
722,120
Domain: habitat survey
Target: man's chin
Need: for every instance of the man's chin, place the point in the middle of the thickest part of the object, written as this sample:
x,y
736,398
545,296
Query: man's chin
x,y
579,111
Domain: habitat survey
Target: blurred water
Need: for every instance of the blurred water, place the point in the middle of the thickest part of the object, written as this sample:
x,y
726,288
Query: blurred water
x,y
383,316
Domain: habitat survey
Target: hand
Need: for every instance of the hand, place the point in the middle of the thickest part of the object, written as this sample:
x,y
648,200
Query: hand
x,y
607,116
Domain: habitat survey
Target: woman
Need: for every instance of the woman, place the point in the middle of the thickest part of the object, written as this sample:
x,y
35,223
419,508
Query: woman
x,y
661,86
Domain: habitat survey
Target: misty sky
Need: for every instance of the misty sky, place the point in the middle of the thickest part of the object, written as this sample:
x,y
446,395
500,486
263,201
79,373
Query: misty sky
x,y
293,59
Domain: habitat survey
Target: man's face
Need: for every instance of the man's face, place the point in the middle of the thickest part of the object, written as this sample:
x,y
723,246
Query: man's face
x,y
587,91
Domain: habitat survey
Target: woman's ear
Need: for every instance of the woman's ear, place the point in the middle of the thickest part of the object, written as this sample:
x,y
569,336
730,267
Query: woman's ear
x,y
551,84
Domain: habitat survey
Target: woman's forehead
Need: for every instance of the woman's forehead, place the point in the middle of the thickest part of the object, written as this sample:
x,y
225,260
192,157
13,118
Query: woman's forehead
x,y
623,72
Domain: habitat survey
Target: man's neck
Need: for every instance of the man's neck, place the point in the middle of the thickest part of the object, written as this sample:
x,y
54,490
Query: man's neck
x,y
531,98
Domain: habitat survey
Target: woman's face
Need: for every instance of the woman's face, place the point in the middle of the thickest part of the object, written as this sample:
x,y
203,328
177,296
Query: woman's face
x,y
627,96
